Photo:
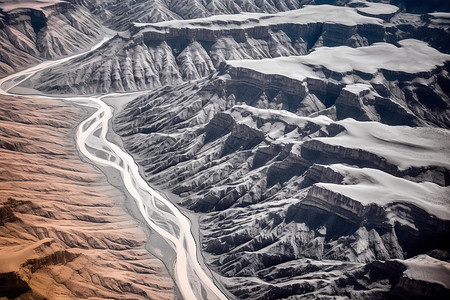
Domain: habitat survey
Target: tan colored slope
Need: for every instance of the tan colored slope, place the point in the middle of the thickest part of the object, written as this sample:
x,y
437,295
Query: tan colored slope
x,y
63,229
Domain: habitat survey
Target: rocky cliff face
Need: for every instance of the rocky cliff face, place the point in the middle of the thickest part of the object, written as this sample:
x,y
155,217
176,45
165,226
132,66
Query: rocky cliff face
x,y
120,14
232,148
28,35
178,51
287,185
312,144
311,83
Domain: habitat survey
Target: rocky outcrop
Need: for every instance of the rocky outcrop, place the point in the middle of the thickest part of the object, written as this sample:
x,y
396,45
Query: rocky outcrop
x,y
367,105
121,15
391,99
321,173
405,282
237,148
280,37
12,286
275,82
343,206
6,214
319,152
16,281
195,49
139,66
29,35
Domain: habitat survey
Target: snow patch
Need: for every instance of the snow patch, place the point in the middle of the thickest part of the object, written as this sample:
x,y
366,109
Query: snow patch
x,y
309,14
345,59
401,145
374,9
428,269
374,186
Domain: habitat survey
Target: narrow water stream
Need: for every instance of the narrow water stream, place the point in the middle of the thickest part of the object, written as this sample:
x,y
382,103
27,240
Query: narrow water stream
x,y
161,215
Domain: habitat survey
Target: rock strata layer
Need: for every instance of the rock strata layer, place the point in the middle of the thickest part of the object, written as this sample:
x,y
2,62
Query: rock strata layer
x,y
294,196
30,35
64,231
158,54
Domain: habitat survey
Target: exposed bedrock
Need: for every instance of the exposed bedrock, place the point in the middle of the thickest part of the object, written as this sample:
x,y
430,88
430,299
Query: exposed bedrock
x,y
220,125
273,248
303,179
427,233
121,14
6,212
137,65
390,97
367,105
406,278
244,79
318,151
321,173
29,35
216,133
301,36
242,137
194,50
12,286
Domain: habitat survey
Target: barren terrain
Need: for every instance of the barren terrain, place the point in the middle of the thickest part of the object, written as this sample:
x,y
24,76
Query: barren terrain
x,y
65,231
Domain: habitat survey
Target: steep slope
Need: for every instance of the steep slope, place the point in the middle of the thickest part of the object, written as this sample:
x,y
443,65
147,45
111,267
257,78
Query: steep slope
x,y
64,230
120,14
31,32
310,141
295,198
175,51
375,83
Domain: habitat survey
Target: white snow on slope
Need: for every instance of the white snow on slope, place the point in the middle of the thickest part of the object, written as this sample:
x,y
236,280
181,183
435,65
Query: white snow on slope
x,y
372,8
374,186
309,14
443,16
241,113
401,145
439,20
8,5
428,269
275,122
357,88
345,59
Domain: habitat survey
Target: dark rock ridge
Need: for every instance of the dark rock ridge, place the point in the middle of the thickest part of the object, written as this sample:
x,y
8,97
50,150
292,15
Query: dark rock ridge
x,y
393,98
232,148
318,151
63,230
306,187
121,14
30,35
160,54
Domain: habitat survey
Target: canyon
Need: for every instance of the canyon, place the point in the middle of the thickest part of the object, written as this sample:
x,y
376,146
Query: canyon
x,y
307,141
